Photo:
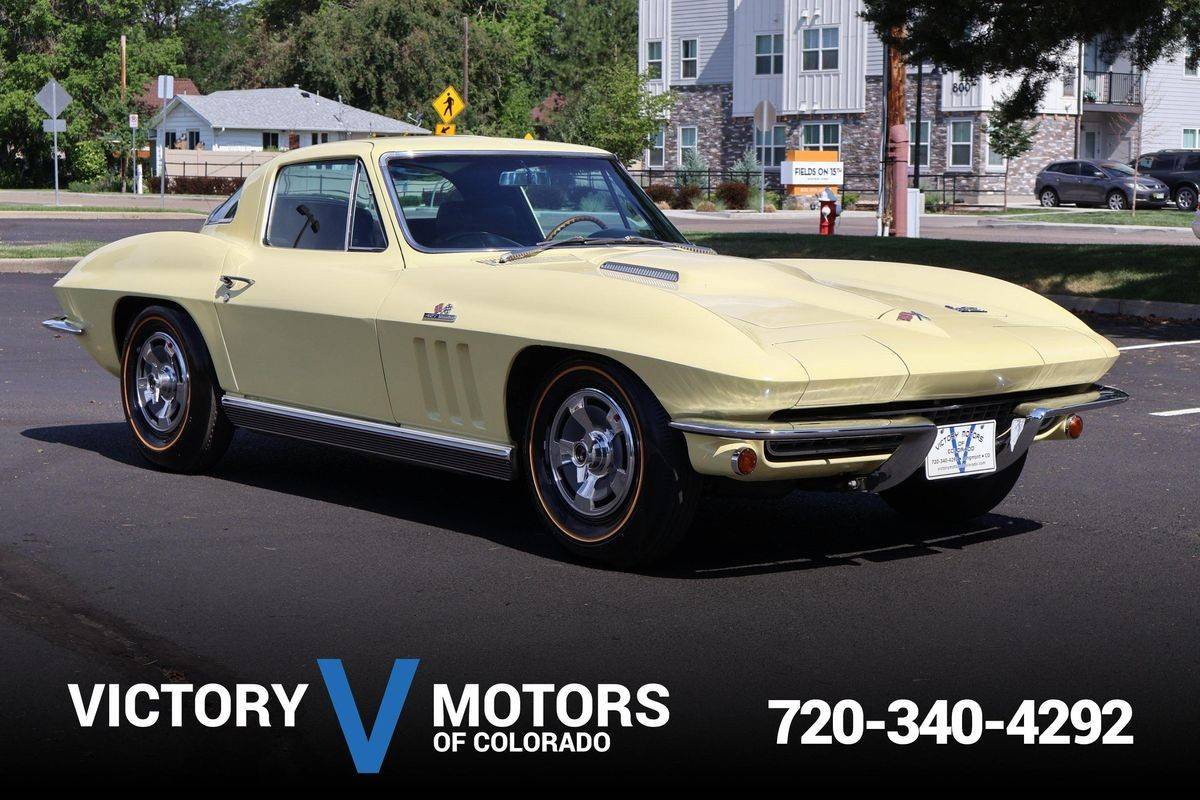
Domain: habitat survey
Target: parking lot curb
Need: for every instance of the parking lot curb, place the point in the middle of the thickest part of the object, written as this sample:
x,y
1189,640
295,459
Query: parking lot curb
x,y
1133,308
45,266
1114,229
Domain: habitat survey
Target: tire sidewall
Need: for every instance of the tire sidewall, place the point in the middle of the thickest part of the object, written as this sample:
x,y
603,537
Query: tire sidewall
x,y
1180,196
1048,198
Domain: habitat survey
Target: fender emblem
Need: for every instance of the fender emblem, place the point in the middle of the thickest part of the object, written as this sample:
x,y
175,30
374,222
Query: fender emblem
x,y
442,312
909,316
968,309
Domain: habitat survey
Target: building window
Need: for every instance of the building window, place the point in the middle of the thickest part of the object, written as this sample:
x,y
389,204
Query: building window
x,y
687,140
995,161
771,147
918,149
270,140
193,140
657,149
654,61
768,54
1190,62
1191,138
960,145
819,49
169,139
687,58
822,136
1068,81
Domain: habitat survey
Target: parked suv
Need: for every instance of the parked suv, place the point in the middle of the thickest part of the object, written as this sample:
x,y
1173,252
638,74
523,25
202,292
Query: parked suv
x,y
1178,169
1109,183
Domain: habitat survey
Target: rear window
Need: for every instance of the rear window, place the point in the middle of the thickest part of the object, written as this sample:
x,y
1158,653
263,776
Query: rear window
x,y
226,211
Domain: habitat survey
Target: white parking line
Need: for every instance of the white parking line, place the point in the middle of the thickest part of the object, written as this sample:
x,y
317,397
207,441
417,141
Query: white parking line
x,y
1157,344
1177,413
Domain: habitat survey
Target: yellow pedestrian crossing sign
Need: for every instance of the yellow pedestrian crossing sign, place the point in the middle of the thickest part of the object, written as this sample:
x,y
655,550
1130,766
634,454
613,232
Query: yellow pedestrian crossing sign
x,y
448,105
443,129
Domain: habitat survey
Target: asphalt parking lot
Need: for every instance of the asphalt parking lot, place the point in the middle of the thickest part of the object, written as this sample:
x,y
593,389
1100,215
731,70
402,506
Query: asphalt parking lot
x,y
1082,584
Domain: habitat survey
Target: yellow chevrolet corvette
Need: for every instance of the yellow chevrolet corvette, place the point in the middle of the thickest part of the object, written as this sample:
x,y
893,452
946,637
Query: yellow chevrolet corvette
x,y
521,310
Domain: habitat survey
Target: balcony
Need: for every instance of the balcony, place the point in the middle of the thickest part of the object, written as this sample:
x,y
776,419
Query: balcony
x,y
1112,88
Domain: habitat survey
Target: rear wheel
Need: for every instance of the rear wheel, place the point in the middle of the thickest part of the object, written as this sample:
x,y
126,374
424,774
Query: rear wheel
x,y
171,401
1185,198
1048,198
952,499
1117,200
610,478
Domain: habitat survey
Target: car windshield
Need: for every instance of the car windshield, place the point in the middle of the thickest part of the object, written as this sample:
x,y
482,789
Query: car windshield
x,y
471,202
1116,169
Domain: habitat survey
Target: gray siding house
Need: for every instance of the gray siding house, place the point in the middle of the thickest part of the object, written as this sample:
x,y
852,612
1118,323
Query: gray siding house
x,y
248,120
821,66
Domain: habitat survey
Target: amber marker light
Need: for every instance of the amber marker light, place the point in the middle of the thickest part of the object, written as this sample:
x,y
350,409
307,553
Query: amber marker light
x,y
744,461
1074,426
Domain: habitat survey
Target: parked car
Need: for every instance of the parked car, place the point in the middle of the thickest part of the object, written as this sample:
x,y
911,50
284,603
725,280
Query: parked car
x,y
1094,183
1179,170
522,310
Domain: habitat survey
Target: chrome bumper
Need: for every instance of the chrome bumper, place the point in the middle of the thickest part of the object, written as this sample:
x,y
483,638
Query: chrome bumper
x,y
64,325
917,433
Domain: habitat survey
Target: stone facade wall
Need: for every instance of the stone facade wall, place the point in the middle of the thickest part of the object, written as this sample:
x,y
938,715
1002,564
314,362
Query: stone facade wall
x,y
723,138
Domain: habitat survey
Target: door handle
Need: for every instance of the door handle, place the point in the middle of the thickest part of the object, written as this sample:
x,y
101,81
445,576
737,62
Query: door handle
x,y
227,282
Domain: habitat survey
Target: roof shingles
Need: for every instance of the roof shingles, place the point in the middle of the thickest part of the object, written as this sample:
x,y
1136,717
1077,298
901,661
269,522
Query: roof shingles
x,y
289,109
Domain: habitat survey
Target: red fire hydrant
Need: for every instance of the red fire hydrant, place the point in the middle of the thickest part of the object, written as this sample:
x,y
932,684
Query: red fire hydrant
x,y
830,208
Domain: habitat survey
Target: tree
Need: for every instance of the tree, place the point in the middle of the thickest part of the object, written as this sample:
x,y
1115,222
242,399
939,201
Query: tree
x,y
1027,38
614,111
1010,138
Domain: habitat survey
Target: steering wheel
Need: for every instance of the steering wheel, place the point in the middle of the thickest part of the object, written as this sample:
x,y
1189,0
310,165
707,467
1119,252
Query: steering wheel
x,y
569,221
483,239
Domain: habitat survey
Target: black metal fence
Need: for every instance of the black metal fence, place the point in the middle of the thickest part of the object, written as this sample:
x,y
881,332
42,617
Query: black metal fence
x,y
943,189
1121,88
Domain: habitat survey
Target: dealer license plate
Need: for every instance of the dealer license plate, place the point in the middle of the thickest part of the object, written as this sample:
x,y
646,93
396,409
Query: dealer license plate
x,y
965,449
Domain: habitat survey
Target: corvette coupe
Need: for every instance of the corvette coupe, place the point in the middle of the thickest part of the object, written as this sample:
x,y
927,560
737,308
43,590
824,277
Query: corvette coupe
x,y
522,310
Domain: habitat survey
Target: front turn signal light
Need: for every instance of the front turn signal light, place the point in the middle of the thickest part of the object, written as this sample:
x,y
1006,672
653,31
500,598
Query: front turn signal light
x,y
1074,426
744,461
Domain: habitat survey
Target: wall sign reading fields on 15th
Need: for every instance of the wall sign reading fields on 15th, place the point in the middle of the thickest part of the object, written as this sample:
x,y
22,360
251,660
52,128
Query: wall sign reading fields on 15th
x,y
811,173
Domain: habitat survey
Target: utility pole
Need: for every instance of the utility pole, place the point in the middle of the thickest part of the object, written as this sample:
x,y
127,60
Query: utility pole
x,y
124,108
896,190
466,79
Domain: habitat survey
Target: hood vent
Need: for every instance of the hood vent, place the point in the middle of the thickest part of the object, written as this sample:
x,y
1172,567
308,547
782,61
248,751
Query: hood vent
x,y
668,275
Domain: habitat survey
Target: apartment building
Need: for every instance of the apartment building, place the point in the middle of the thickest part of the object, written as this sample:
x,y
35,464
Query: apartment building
x,y
821,65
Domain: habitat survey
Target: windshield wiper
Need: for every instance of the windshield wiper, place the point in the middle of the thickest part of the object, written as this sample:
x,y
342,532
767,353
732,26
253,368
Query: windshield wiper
x,y
578,240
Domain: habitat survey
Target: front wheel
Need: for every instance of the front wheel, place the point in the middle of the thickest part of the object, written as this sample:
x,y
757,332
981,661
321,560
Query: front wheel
x,y
610,478
1185,198
1117,200
1049,198
952,499
170,398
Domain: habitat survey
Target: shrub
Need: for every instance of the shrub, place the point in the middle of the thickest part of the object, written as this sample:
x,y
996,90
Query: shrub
x,y
693,169
706,205
849,199
663,205
733,194
747,169
769,208
685,196
88,162
200,184
659,192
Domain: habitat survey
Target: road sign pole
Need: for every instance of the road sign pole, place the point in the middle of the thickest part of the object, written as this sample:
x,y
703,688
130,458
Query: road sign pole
x,y
54,115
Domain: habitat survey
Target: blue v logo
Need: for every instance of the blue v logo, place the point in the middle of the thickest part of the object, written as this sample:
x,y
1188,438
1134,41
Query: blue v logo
x,y
368,750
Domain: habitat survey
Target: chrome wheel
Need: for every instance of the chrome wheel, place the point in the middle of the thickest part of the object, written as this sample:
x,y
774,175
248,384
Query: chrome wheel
x,y
1049,198
590,451
1117,201
161,380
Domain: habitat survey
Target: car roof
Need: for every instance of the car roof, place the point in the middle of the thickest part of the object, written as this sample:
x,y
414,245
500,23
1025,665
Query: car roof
x,y
416,145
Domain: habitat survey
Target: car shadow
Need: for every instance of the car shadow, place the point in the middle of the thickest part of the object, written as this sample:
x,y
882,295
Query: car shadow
x,y
731,537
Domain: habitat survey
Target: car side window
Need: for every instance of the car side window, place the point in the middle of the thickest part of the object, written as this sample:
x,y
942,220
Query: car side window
x,y
226,211
325,205
1068,168
366,227
1146,163
1191,162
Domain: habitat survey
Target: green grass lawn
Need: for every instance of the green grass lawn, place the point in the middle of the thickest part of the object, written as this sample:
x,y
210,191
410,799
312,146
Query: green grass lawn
x,y
59,250
1130,272
1168,218
100,209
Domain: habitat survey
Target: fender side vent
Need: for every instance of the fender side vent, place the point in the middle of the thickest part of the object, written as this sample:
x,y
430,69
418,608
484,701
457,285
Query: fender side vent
x,y
668,275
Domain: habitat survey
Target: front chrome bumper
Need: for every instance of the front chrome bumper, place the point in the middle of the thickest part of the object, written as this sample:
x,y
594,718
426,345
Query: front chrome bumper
x,y
64,325
916,433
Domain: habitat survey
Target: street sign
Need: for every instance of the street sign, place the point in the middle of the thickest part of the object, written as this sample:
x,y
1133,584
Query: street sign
x,y
765,115
529,136
448,105
166,87
133,121
54,125
53,98
443,129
